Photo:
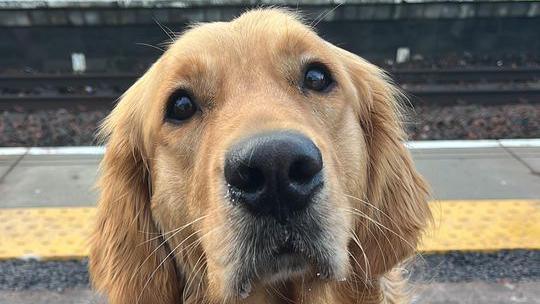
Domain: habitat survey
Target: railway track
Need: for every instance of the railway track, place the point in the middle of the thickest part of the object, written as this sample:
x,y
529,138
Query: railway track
x,y
441,86
466,75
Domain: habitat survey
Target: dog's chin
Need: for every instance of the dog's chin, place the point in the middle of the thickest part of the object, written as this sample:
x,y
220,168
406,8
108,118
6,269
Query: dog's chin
x,y
289,266
285,267
280,268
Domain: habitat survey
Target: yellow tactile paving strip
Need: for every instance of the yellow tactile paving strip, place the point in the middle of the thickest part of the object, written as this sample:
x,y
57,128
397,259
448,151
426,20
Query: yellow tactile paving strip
x,y
483,225
47,233
61,233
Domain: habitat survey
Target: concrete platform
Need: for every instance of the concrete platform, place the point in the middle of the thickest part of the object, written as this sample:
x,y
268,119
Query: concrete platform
x,y
52,180
503,173
26,13
437,293
456,170
464,226
481,173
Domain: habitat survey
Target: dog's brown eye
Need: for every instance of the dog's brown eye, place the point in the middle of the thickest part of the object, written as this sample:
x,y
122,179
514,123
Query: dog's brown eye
x,y
317,78
180,107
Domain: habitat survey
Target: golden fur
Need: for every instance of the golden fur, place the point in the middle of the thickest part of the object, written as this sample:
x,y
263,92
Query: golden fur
x,y
162,231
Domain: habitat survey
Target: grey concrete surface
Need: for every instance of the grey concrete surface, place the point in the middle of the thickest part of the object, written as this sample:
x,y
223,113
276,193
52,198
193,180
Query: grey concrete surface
x,y
6,164
478,293
454,173
70,296
530,156
479,173
435,293
50,180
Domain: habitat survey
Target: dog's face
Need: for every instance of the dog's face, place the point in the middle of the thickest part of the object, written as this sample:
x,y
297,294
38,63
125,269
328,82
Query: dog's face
x,y
264,165
252,129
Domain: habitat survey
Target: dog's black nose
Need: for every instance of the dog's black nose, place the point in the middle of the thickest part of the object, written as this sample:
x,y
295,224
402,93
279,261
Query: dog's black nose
x,y
274,173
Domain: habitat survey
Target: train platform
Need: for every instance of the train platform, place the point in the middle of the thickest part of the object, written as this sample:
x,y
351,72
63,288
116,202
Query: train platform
x,y
486,200
489,186
456,170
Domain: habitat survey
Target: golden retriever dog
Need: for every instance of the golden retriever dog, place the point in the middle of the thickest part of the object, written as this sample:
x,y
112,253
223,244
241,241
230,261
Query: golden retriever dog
x,y
255,162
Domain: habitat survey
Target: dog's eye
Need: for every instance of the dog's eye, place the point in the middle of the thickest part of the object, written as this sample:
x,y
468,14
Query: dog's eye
x,y
317,78
181,106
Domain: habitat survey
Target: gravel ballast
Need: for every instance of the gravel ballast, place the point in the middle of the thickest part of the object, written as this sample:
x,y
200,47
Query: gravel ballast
x,y
49,128
474,122
502,266
77,128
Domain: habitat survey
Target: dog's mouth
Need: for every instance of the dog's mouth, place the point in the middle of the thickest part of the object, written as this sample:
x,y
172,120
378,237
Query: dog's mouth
x,y
281,265
286,264
286,249
288,253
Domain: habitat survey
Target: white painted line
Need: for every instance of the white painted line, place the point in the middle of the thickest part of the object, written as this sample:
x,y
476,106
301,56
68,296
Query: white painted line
x,y
413,145
452,144
520,143
84,150
12,151
466,144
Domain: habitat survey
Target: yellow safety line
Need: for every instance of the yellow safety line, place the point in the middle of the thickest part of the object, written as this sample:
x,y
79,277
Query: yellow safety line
x,y
481,225
45,233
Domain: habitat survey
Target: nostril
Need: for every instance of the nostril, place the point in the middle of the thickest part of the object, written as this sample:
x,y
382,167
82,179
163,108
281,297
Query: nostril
x,y
246,178
303,170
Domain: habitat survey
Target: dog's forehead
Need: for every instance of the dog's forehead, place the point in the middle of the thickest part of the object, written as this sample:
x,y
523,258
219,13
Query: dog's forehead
x,y
256,32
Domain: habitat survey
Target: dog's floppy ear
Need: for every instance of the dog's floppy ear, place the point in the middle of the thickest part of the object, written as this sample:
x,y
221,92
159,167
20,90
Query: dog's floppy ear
x,y
126,252
396,195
